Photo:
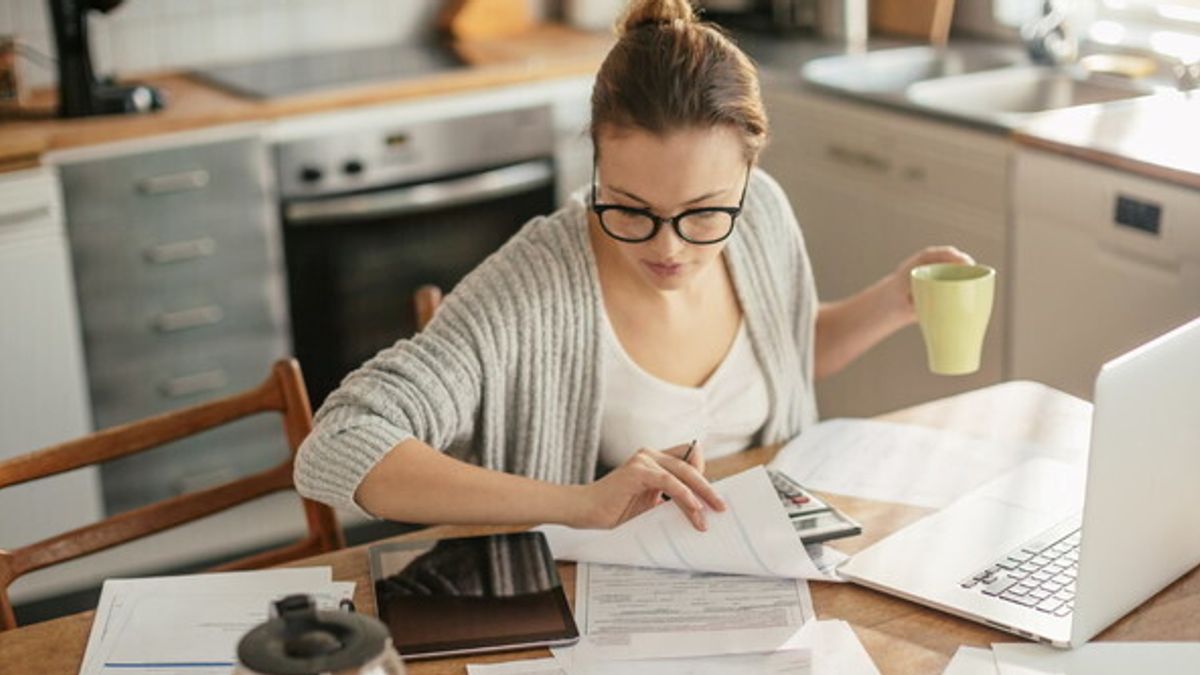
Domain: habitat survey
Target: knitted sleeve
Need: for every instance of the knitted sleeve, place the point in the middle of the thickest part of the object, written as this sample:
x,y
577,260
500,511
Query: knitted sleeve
x,y
428,387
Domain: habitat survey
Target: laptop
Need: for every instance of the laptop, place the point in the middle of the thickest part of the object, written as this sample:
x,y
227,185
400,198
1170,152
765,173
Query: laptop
x,y
1028,554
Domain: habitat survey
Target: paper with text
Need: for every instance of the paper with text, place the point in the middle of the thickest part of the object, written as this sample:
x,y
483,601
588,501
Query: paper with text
x,y
192,622
545,666
628,612
752,536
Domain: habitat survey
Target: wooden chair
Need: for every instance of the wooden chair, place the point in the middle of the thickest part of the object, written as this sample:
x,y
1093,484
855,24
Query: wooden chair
x,y
283,392
426,299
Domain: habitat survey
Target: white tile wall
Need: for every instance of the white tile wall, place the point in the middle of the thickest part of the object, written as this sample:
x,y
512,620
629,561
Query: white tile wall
x,y
147,35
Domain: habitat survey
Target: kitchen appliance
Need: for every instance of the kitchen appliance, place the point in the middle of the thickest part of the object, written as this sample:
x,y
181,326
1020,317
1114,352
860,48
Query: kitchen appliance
x,y
79,92
372,214
325,71
1105,260
302,640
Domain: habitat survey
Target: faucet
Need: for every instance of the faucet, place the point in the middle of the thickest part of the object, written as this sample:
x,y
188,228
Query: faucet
x,y
1048,38
1187,75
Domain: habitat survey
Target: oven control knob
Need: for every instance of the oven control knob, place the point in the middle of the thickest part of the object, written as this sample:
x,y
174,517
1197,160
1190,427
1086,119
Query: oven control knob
x,y
352,167
310,174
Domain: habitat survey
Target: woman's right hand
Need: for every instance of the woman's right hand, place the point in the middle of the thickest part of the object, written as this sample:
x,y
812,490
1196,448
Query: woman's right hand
x,y
640,484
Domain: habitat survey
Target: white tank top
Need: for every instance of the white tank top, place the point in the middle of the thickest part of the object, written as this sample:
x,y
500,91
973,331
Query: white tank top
x,y
724,414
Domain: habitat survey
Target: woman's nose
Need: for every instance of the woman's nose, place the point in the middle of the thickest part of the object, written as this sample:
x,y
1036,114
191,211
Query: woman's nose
x,y
666,242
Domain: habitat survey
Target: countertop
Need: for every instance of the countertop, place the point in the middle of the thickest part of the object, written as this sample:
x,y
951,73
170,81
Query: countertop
x,y
1158,137
545,52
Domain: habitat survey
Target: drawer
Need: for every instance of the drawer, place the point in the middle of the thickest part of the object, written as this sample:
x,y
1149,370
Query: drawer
x,y
29,205
182,257
99,232
120,328
165,186
872,149
157,383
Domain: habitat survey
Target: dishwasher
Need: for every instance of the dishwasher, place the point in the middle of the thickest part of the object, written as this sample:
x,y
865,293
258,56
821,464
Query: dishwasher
x,y
1104,260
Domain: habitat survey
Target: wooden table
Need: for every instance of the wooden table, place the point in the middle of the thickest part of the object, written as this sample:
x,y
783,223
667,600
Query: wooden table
x,y
901,637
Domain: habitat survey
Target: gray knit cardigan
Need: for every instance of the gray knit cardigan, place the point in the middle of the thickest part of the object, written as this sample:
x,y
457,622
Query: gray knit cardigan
x,y
507,374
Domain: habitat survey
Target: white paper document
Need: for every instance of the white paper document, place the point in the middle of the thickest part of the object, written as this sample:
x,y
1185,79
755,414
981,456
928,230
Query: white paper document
x,y
835,649
545,666
192,623
1099,658
971,661
753,536
901,463
626,613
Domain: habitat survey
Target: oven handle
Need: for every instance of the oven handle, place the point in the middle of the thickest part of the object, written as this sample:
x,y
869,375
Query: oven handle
x,y
424,197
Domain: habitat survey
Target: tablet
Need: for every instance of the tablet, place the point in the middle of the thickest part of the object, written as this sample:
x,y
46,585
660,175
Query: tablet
x,y
469,595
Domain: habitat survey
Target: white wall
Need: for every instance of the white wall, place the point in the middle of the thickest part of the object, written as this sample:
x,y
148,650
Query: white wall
x,y
148,35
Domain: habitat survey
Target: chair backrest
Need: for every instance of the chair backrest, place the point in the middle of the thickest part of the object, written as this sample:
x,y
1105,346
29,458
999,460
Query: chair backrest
x,y
426,299
282,392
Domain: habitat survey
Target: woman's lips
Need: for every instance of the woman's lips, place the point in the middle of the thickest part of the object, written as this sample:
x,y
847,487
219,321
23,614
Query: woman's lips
x,y
665,270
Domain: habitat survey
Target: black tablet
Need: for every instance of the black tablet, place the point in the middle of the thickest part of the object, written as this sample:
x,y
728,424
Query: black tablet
x,y
469,595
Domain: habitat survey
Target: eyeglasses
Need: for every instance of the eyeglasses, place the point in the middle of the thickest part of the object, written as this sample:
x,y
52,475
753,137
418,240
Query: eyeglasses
x,y
706,225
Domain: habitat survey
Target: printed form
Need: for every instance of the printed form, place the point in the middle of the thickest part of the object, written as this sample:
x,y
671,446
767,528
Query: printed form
x,y
636,612
753,536
193,623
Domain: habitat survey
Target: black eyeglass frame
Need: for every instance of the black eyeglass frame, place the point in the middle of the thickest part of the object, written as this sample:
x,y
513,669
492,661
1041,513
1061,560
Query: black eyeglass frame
x,y
732,211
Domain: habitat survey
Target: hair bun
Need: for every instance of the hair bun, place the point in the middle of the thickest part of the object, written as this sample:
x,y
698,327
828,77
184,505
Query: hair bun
x,y
655,12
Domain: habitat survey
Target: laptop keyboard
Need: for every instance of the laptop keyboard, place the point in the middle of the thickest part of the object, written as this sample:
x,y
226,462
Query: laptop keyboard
x,y
1039,575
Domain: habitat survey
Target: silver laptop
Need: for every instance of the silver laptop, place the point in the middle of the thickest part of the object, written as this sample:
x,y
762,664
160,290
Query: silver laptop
x,y
1026,553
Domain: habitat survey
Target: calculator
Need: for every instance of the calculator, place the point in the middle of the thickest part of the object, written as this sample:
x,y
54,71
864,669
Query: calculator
x,y
813,519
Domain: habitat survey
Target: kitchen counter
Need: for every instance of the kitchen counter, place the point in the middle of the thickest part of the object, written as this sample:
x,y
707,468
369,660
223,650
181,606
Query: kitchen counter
x,y
545,52
1156,137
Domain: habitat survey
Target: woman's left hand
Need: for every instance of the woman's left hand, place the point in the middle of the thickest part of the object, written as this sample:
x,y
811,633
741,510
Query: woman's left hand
x,y
901,287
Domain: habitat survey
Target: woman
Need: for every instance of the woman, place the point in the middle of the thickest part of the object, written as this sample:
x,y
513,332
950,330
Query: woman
x,y
671,302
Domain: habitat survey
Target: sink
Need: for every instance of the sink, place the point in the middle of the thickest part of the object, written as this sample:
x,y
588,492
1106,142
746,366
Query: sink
x,y
893,70
1018,91
994,86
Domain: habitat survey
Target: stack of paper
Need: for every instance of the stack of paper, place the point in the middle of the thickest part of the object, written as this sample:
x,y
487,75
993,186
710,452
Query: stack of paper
x,y
1096,658
657,596
192,623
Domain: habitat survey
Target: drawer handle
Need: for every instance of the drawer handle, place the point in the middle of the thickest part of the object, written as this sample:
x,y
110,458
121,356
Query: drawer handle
x,y
169,322
196,383
183,181
178,251
24,215
858,158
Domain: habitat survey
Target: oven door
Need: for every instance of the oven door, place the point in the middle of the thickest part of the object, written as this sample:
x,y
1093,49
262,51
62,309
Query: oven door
x,y
354,261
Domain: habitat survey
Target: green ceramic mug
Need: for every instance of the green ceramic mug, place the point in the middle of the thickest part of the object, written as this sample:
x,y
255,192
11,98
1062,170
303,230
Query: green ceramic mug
x,y
954,303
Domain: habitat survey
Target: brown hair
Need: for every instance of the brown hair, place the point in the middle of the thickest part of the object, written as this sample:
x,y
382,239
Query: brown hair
x,y
670,71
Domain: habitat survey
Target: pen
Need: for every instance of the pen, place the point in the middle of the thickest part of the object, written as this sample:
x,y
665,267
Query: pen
x,y
691,447
687,453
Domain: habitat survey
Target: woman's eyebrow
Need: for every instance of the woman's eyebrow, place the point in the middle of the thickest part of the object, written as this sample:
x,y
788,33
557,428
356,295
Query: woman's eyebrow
x,y
689,202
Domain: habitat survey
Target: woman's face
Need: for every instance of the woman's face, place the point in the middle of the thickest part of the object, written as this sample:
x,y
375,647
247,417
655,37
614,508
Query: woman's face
x,y
669,174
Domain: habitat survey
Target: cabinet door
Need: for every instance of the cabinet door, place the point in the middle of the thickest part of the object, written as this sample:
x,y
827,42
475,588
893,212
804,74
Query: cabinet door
x,y
870,188
43,395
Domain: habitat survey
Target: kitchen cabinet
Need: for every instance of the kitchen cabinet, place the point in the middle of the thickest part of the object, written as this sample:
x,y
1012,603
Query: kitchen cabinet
x,y
176,246
43,393
1105,260
870,187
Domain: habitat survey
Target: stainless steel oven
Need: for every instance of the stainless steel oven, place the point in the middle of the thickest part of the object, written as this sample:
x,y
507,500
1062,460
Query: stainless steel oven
x,y
372,215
